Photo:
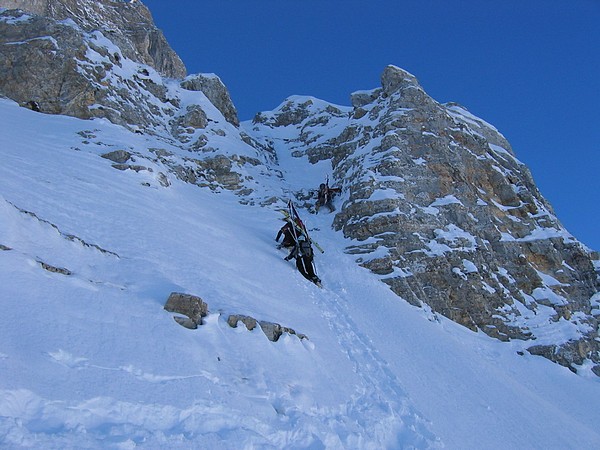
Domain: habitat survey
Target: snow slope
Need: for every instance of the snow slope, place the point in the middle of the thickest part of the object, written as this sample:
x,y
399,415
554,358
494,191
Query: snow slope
x,y
92,360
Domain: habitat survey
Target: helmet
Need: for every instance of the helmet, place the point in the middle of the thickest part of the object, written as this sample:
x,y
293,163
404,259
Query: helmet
x,y
322,186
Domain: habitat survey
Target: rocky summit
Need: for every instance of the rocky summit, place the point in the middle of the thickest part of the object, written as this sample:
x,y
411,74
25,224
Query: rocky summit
x,y
434,201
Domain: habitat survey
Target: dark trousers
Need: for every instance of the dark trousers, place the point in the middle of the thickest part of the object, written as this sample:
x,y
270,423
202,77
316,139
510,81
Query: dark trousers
x,y
327,203
306,268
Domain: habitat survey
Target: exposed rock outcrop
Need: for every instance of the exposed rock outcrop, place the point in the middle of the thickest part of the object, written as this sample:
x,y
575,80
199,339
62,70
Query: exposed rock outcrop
x,y
272,330
55,269
215,91
56,67
194,308
102,59
118,156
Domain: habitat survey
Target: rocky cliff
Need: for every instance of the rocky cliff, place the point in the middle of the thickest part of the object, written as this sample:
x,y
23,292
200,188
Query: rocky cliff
x,y
434,201
129,25
99,59
439,207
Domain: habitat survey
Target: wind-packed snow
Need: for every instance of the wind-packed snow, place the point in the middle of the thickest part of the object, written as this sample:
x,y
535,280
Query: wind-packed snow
x,y
91,359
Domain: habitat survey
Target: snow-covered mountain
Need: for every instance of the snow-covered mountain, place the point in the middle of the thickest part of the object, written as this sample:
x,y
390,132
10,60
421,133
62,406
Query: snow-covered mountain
x,y
164,191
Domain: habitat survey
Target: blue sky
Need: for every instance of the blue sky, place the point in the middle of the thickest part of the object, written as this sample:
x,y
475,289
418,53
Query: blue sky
x,y
530,68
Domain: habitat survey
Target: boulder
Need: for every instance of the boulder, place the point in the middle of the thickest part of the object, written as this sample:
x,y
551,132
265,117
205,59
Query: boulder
x,y
248,321
118,156
189,305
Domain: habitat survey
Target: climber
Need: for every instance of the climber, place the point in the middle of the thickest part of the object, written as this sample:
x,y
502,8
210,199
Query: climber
x,y
303,253
325,197
288,235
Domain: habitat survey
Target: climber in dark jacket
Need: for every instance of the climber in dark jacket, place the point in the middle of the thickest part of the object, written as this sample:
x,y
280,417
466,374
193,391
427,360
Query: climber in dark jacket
x,y
303,253
325,197
288,235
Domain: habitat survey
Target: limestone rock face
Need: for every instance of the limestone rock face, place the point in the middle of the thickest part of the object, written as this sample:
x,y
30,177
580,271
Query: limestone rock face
x,y
55,67
40,70
103,59
129,24
436,203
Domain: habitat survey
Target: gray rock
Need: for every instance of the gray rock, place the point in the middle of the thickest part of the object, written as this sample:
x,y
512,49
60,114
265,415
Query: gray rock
x,y
129,24
248,321
54,75
54,269
134,167
118,156
216,92
272,330
186,322
190,305
394,79
362,98
163,180
215,172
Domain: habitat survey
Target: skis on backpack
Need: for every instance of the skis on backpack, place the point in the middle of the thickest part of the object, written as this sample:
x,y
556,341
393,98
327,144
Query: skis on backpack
x,y
291,216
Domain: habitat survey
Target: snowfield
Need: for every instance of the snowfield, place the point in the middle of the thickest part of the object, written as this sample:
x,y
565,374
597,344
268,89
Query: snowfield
x,y
90,359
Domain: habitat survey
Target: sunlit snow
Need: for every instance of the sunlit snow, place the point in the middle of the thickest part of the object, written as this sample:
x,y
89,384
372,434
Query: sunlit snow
x,y
91,359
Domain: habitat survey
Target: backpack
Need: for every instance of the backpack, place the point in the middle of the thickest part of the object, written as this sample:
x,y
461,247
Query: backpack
x,y
306,249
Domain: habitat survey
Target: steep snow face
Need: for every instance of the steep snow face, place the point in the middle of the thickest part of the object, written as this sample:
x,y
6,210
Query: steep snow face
x,y
89,358
440,209
434,199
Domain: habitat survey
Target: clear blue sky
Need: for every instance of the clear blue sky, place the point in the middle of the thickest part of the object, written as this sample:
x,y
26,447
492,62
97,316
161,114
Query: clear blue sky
x,y
531,68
